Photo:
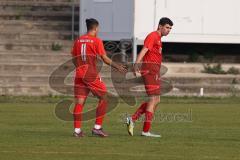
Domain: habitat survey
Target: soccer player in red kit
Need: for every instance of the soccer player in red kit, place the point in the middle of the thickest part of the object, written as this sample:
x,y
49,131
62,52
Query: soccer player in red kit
x,y
85,51
151,58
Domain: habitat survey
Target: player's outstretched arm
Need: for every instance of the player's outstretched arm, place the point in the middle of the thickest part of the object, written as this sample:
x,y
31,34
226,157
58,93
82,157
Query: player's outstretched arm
x,y
120,67
139,60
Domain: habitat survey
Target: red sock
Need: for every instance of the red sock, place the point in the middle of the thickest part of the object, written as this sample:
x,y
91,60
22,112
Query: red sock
x,y
139,112
148,121
100,113
78,115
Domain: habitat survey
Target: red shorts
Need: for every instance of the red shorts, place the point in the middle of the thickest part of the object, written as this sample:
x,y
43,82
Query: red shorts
x,y
152,84
82,87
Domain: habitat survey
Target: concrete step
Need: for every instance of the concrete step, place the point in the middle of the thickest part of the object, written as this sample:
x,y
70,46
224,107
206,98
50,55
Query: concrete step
x,y
29,90
39,90
43,90
174,75
40,3
30,53
43,68
203,79
37,15
192,67
41,35
209,90
36,45
17,26
106,76
36,6
56,1
45,63
196,94
226,58
35,78
11,79
35,58
207,87
22,69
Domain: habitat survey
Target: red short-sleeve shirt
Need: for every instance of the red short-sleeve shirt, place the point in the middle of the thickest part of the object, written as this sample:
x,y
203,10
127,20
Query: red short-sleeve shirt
x,y
86,48
153,58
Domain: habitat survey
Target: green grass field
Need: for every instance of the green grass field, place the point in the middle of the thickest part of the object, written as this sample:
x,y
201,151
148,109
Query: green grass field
x,y
30,130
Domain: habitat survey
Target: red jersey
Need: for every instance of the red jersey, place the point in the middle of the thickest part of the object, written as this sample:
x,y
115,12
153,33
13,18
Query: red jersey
x,y
86,48
153,58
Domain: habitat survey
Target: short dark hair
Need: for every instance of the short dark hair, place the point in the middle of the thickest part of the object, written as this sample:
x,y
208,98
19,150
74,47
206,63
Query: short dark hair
x,y
91,24
164,20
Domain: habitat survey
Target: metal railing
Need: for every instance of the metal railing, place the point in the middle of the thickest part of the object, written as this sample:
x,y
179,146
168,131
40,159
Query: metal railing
x,y
73,19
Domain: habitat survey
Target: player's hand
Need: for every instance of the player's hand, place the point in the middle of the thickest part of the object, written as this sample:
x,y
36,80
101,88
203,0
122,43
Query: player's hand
x,y
136,70
122,68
